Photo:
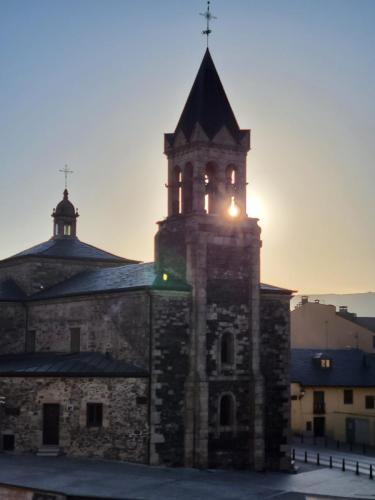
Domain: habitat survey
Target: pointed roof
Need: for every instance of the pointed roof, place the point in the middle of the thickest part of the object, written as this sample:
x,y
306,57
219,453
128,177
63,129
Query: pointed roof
x,y
208,104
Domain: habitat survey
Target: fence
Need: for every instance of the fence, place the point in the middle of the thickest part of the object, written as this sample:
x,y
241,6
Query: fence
x,y
364,467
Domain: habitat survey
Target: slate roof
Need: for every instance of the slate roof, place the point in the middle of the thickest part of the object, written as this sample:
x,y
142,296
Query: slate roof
x,y
275,289
366,322
208,104
350,368
110,279
9,291
52,364
68,248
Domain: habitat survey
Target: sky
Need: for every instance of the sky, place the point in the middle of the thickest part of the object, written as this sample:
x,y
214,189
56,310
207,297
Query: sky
x,y
96,83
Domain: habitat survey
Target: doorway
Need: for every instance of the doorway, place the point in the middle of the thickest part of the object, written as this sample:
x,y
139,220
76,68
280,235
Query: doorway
x,y
51,420
319,426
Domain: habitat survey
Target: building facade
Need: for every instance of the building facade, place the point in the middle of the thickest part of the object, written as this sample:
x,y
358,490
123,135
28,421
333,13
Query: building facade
x,y
333,395
184,361
320,326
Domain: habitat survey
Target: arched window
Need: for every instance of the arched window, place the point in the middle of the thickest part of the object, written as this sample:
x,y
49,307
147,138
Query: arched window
x,y
188,189
230,176
227,410
227,349
211,189
231,189
176,191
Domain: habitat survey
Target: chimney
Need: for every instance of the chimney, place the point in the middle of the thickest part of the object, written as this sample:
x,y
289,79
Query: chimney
x,y
304,299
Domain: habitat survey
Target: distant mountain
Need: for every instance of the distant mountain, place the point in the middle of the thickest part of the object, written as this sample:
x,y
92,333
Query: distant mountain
x,y
363,304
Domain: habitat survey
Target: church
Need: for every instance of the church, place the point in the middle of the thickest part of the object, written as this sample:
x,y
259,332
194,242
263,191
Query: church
x,y
183,361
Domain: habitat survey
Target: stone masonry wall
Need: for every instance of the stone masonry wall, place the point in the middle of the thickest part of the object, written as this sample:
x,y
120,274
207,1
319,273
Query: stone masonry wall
x,y
12,327
123,436
170,345
275,366
117,323
228,297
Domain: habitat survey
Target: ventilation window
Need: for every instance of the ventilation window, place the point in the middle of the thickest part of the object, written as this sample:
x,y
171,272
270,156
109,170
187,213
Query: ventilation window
x,y
67,230
226,410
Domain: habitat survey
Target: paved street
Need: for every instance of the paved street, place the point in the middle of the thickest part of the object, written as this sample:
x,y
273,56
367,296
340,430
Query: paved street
x,y
106,479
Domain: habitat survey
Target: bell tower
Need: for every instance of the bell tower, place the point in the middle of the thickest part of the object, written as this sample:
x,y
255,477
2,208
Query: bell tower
x,y
208,240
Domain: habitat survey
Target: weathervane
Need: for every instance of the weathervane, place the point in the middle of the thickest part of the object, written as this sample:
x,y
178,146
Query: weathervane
x,y
208,17
66,171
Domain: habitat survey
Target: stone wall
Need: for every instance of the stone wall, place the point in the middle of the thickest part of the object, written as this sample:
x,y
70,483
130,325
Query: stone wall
x,y
12,327
170,347
117,323
228,312
275,366
123,436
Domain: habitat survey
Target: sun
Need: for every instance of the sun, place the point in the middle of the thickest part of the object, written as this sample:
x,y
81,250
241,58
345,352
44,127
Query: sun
x,y
233,209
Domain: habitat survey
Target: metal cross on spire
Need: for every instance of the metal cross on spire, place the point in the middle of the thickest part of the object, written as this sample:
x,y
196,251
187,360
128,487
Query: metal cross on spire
x,y
208,17
66,171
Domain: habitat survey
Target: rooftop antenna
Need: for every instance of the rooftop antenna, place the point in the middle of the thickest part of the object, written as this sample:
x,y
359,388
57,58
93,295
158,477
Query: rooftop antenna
x,y
208,17
66,171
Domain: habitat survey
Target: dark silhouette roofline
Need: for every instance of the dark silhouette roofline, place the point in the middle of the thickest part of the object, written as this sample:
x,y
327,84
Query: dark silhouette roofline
x,y
208,104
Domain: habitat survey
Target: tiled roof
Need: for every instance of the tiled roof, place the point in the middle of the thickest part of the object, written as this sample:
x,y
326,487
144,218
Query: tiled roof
x,y
51,364
9,291
110,279
349,368
68,248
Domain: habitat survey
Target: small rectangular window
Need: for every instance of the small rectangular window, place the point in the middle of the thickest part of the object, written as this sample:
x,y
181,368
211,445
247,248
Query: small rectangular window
x,y
67,230
369,402
30,341
348,397
75,340
308,426
94,412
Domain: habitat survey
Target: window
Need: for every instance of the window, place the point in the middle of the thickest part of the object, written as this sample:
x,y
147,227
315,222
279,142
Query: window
x,y
325,363
373,342
226,410
75,339
94,412
308,426
187,186
369,402
227,349
30,341
67,230
348,397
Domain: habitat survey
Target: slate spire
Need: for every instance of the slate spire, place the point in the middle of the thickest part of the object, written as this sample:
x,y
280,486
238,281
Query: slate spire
x,y
208,104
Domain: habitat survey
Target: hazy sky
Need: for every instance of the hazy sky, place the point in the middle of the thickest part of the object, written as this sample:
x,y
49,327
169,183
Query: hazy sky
x,y
96,83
